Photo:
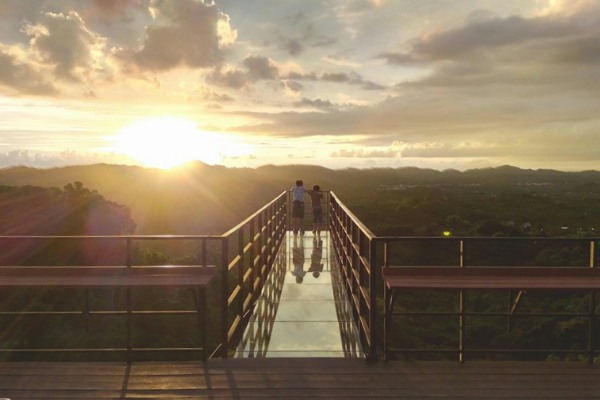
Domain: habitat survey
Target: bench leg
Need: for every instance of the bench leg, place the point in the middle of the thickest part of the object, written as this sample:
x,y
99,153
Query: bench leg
x,y
200,300
387,319
591,330
461,326
129,326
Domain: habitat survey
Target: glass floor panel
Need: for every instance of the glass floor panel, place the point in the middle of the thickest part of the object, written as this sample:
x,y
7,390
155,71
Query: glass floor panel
x,y
301,311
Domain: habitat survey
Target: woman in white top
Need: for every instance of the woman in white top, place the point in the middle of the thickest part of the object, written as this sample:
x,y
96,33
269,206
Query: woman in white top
x,y
298,192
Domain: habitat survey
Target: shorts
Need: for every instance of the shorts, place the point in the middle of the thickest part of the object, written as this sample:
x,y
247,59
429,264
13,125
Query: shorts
x,y
298,209
317,214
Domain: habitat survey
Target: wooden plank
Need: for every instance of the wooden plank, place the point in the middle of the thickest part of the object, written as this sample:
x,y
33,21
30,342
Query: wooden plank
x,y
105,276
300,378
576,278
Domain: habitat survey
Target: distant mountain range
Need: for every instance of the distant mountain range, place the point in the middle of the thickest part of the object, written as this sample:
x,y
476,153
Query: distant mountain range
x,y
199,198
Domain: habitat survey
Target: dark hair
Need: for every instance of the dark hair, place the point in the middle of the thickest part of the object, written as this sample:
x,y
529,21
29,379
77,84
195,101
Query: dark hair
x,y
299,182
316,187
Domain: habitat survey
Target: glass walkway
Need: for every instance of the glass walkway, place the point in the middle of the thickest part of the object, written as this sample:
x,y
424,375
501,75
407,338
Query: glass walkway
x,y
302,310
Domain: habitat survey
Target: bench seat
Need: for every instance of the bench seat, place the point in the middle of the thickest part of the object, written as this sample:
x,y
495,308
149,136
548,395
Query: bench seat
x,y
521,278
486,278
164,275
194,277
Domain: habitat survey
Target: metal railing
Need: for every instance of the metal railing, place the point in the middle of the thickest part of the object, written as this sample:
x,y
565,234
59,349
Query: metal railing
x,y
36,330
361,255
474,252
354,246
248,253
244,256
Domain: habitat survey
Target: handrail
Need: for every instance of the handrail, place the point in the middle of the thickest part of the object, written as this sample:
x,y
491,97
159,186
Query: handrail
x,y
118,305
357,250
244,254
355,247
248,252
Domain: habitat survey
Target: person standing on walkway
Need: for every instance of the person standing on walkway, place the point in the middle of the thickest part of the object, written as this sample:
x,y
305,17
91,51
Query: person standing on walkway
x,y
298,207
316,196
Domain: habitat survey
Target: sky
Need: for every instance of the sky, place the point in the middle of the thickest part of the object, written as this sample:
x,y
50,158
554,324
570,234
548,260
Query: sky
x,y
439,84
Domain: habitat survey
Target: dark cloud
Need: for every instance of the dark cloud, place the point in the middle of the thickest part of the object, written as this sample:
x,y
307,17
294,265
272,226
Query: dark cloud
x,y
316,103
515,40
351,78
64,42
294,47
234,79
185,33
206,93
116,9
23,77
261,68
293,85
299,35
309,76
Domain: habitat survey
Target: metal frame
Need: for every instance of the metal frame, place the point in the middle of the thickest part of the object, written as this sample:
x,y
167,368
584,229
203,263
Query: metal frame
x,y
513,301
130,349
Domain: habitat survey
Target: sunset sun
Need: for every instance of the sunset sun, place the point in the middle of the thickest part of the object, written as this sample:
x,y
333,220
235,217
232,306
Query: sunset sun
x,y
166,142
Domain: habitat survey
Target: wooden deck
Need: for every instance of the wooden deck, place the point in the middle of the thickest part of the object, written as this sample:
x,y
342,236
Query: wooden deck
x,y
300,378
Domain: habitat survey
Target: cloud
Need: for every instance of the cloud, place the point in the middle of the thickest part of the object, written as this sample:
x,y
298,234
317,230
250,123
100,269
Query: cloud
x,y
63,42
22,77
317,103
115,9
294,47
228,76
261,68
351,78
62,158
208,94
299,34
190,33
366,153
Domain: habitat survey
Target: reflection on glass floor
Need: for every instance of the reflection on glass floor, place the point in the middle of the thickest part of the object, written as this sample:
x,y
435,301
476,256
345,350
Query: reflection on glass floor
x,y
302,310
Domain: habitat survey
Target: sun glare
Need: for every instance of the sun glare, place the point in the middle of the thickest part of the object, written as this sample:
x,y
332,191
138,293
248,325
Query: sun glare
x,y
167,142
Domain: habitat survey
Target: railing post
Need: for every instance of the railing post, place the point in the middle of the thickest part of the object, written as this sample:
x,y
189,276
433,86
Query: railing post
x,y
592,253
224,297
372,300
461,307
251,256
387,305
461,326
241,273
128,255
591,330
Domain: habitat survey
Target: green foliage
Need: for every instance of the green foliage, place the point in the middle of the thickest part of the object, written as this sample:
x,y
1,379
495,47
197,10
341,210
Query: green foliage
x,y
499,202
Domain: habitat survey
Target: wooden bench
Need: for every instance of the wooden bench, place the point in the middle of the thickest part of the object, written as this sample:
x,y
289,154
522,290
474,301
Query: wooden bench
x,y
195,277
484,278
